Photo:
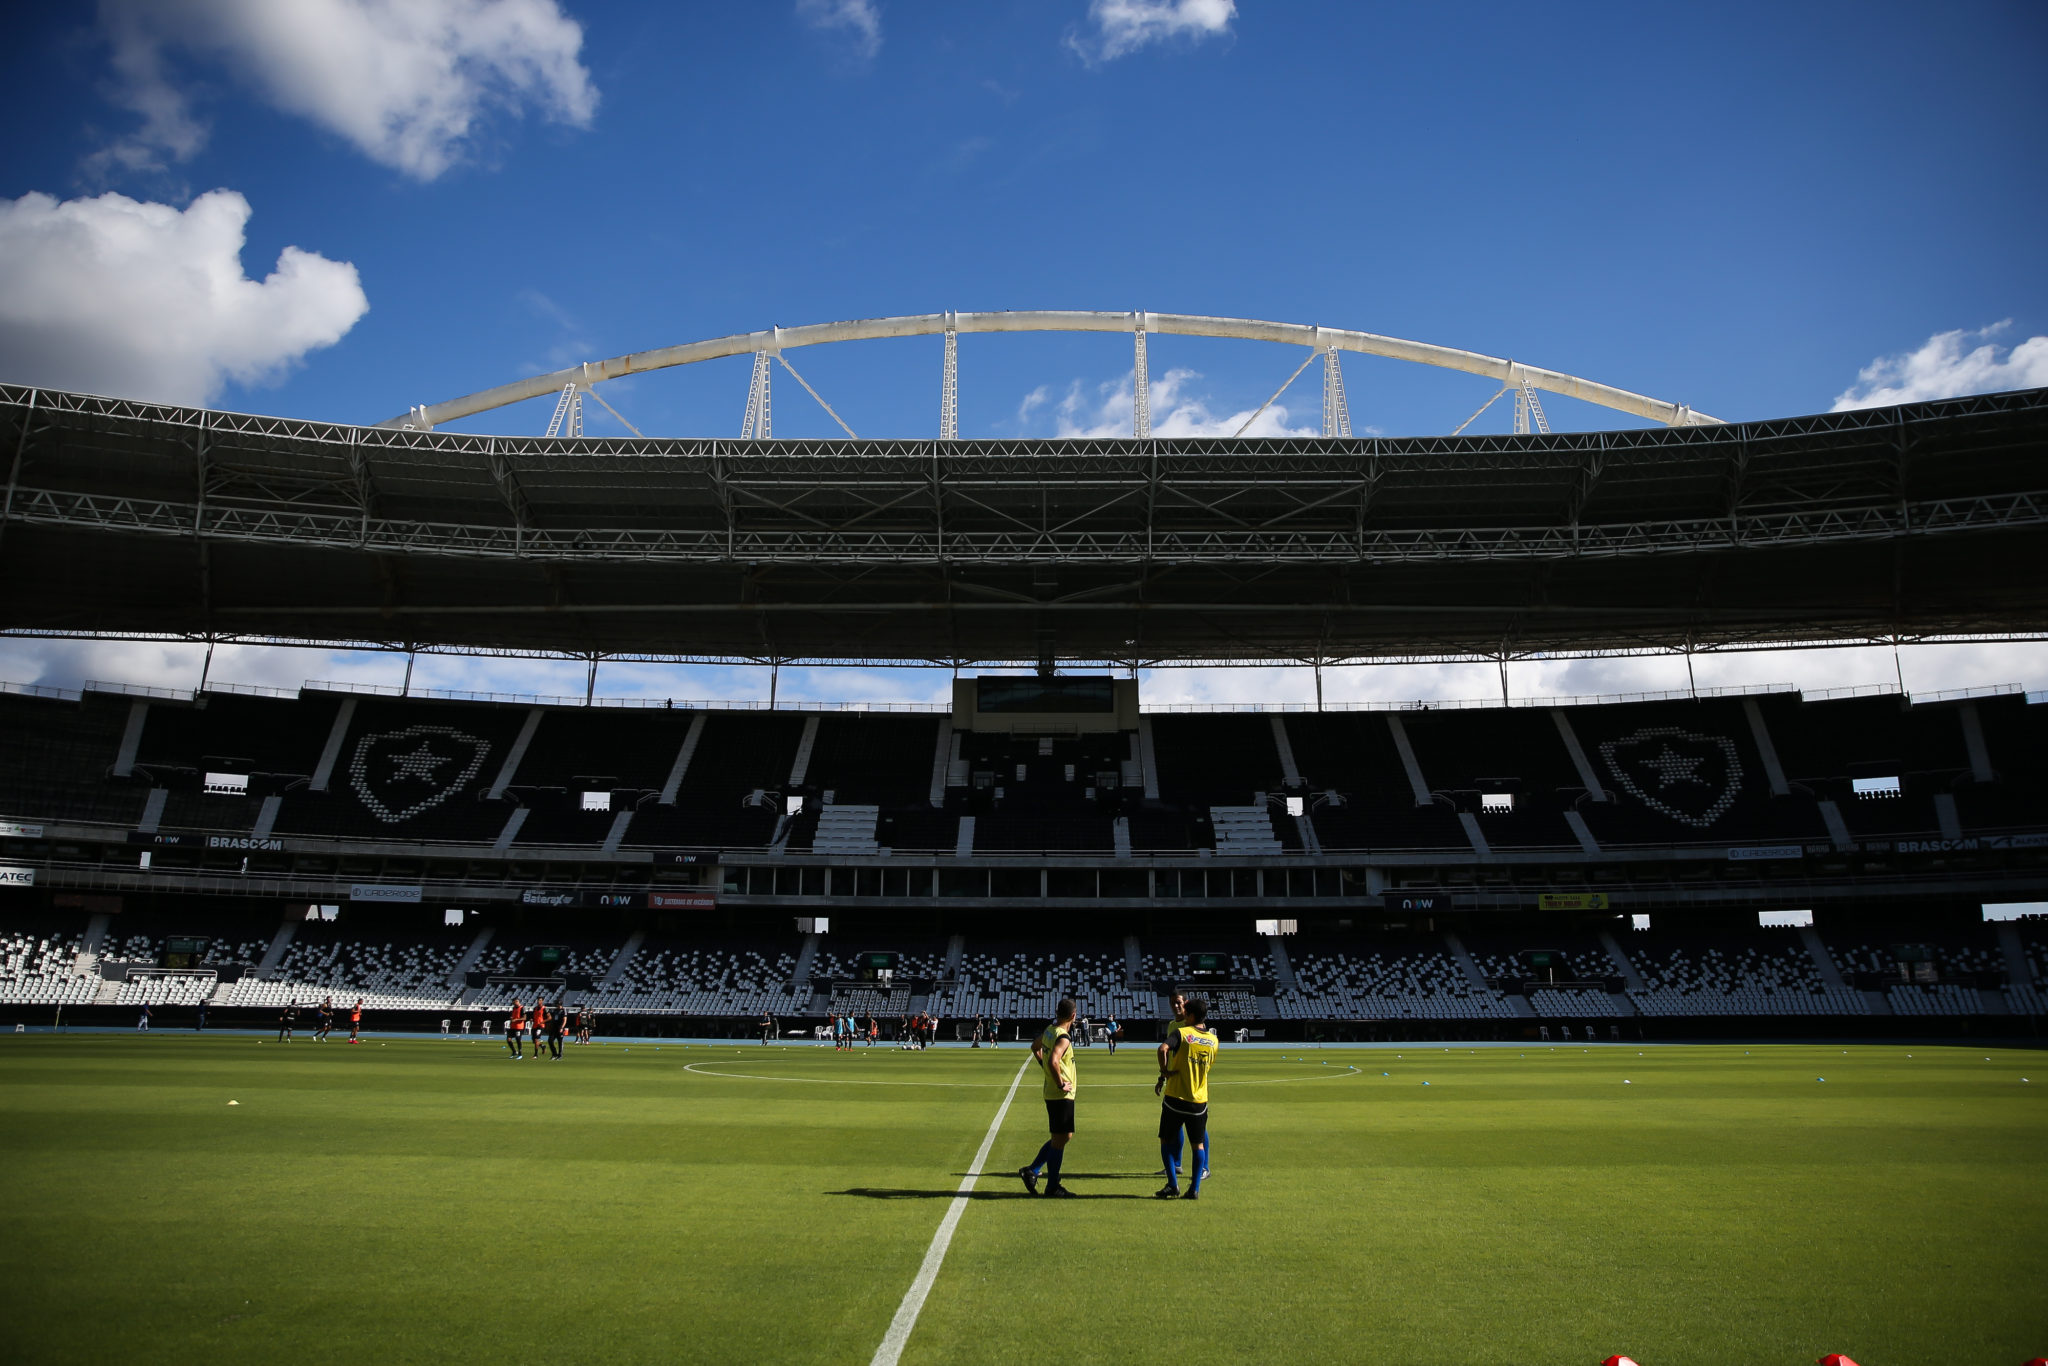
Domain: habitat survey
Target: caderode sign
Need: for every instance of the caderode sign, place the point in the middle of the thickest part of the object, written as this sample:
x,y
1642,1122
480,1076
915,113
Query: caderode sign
x,y
384,891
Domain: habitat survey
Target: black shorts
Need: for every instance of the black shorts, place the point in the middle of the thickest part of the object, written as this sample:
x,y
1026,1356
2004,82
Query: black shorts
x,y
1172,1119
1059,1116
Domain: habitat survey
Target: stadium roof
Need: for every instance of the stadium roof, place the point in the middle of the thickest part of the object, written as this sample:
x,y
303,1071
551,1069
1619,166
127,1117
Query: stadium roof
x,y
1911,522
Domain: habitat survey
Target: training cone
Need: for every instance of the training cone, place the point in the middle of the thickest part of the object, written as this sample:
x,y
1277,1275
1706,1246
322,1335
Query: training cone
x,y
1619,1361
1834,1359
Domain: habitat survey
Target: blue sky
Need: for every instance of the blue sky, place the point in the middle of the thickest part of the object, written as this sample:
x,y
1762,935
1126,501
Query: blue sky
x,y
1757,210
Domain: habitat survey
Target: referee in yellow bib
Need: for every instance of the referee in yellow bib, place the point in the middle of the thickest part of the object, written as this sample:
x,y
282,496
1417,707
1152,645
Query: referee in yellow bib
x,y
1183,1091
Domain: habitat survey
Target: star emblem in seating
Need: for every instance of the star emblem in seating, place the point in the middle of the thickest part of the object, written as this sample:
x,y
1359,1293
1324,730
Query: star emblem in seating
x,y
1688,776
401,773
1673,767
418,765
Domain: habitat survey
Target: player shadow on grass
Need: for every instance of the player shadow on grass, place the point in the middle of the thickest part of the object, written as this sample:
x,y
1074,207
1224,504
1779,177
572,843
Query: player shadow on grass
x,y
888,1193
1071,1176
880,1193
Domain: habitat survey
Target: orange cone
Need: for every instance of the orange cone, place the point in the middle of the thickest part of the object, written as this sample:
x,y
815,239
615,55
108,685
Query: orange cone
x,y
1835,1359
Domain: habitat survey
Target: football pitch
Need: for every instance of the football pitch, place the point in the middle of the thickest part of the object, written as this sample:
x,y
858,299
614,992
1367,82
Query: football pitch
x,y
425,1201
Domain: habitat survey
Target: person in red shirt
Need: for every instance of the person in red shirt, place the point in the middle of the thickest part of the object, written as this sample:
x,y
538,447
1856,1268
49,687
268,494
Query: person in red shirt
x,y
355,1021
539,1022
515,1026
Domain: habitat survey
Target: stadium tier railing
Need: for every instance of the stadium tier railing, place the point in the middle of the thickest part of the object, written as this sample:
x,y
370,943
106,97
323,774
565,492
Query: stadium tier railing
x,y
649,703
43,690
936,708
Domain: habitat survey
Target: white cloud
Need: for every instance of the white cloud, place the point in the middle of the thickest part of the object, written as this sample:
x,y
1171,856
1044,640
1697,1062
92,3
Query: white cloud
x,y
1925,669
143,300
177,664
1124,26
1941,368
405,81
859,18
1032,402
1177,410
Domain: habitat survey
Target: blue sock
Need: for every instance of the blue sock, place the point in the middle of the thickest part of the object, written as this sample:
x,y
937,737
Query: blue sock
x,y
1207,1145
1045,1152
1169,1157
1198,1167
1052,1166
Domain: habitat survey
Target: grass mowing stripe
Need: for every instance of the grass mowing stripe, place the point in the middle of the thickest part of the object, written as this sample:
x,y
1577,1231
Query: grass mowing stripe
x,y
891,1350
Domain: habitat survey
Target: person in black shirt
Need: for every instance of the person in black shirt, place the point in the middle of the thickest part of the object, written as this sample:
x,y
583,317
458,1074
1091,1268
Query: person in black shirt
x,y
284,1022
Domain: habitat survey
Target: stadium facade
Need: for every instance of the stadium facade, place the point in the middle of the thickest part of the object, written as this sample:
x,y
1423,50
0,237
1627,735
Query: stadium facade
x,y
1468,869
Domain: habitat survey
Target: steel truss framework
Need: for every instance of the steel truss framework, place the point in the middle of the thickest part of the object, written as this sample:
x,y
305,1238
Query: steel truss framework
x,y
1325,342
1912,521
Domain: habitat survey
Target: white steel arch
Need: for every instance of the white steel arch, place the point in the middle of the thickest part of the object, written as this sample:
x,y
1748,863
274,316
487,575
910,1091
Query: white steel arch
x,y
1509,374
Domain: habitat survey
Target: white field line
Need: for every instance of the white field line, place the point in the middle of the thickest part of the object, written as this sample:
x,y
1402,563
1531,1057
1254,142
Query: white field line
x,y
893,1341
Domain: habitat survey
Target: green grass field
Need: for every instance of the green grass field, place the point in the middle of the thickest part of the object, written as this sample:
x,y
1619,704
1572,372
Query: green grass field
x,y
432,1201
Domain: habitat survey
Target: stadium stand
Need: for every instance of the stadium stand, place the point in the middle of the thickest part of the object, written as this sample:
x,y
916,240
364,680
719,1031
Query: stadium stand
x,y
1770,973
40,965
1685,773
1948,980
722,800
849,987
1558,992
2014,796
1041,794
1344,977
1678,774
694,976
413,770
1358,979
874,758
166,989
1369,801
1515,758
1025,980
390,971
57,759
706,827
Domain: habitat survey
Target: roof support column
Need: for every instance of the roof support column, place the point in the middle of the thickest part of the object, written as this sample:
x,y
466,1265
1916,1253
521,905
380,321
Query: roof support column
x,y
1336,412
949,386
28,418
359,470
1141,384
755,426
199,480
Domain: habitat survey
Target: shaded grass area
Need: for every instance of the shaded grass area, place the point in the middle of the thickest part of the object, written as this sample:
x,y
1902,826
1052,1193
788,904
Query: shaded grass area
x,y
428,1200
